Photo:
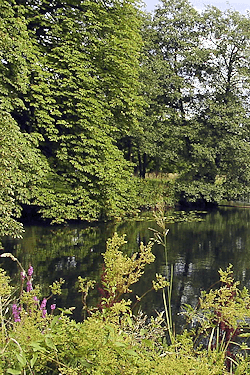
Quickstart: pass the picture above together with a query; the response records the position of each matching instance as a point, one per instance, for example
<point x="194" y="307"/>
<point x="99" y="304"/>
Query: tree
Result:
<point x="22" y="172"/>
<point x="219" y="137"/>
<point x="82" y="99"/>
<point x="22" y="167"/>
<point x="197" y="113"/>
<point x="169" y="69"/>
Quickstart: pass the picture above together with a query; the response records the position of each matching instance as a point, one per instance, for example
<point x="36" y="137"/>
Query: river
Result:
<point x="196" y="250"/>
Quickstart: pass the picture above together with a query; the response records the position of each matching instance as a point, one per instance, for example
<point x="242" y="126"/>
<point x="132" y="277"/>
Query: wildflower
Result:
<point x="43" y="307"/>
<point x="53" y="306"/>
<point x="15" y="312"/>
<point x="36" y="299"/>
<point x="29" y="286"/>
<point x="43" y="304"/>
<point x="23" y="275"/>
<point x="30" y="271"/>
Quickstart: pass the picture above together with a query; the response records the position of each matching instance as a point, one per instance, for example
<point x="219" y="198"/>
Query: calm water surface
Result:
<point x="195" y="249"/>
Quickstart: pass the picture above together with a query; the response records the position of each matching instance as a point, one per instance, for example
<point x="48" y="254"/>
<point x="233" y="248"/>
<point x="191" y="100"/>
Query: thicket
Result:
<point x="37" y="337"/>
<point x="96" y="95"/>
<point x="92" y="95"/>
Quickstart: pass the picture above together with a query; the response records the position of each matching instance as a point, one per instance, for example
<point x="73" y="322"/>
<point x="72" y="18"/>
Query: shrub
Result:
<point x="111" y="340"/>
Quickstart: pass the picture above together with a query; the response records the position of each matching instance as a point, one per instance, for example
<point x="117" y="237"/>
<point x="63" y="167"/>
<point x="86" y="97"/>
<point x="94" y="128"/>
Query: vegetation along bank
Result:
<point x="96" y="97"/>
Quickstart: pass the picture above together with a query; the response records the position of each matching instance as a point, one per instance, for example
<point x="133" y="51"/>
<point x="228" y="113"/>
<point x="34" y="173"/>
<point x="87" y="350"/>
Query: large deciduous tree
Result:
<point x="22" y="167"/>
<point x="219" y="138"/>
<point x="82" y="99"/>
<point x="197" y="114"/>
<point x="169" y="69"/>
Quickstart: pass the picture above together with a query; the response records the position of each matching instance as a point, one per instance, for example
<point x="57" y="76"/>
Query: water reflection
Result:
<point x="196" y="251"/>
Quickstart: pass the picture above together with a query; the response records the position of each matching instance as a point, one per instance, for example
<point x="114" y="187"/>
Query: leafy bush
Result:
<point x="111" y="340"/>
<point x="151" y="190"/>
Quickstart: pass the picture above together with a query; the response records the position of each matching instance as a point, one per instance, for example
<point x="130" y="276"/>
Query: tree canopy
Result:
<point x="95" y="93"/>
<point x="198" y="103"/>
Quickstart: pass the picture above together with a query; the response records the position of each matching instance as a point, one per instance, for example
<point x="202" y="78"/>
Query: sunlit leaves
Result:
<point x="122" y="271"/>
<point x="84" y="97"/>
<point x="22" y="169"/>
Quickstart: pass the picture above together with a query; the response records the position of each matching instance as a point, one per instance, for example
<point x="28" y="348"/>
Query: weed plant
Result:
<point x="160" y="237"/>
<point x="111" y="340"/>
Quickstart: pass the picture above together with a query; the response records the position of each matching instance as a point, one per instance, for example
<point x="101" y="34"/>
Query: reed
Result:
<point x="160" y="237"/>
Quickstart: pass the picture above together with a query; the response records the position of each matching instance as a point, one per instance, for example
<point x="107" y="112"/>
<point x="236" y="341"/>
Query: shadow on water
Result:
<point x="195" y="249"/>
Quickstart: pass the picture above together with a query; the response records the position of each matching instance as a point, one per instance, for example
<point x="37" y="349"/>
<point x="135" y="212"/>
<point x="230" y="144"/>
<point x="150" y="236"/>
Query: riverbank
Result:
<point x="38" y="337"/>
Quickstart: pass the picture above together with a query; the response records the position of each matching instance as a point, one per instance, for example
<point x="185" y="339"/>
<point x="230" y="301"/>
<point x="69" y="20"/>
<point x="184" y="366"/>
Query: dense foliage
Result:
<point x="95" y="93"/>
<point x="195" y="74"/>
<point x="37" y="339"/>
<point x="69" y="72"/>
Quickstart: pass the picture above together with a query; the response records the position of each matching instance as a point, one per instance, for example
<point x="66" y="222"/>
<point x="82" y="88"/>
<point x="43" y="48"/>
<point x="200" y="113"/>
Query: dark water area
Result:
<point x="196" y="250"/>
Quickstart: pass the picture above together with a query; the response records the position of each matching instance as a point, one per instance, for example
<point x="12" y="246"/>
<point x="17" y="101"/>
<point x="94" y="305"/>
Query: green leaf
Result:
<point x="129" y="320"/>
<point x="21" y="359"/>
<point x="13" y="372"/>
<point x="37" y="347"/>
<point x="49" y="342"/>
<point x="132" y="352"/>
<point x="142" y="331"/>
<point x="67" y="311"/>
<point x="244" y="334"/>
<point x="111" y="329"/>
<point x="33" y="360"/>
<point x="85" y="363"/>
<point x="54" y="321"/>
<point x="120" y="344"/>
<point x="147" y="343"/>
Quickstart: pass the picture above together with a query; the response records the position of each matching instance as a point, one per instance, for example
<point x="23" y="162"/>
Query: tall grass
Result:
<point x="160" y="237"/>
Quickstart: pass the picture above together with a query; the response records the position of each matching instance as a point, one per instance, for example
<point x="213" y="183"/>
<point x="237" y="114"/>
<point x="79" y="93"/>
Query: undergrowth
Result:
<point x="112" y="339"/>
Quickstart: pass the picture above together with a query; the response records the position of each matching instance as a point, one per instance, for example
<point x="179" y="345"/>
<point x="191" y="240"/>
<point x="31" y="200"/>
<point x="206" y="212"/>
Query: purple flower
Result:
<point x="36" y="299"/>
<point x="30" y="271"/>
<point x="29" y="286"/>
<point x="15" y="312"/>
<point x="43" y="307"/>
<point x="23" y="275"/>
<point x="43" y="304"/>
<point x="53" y="306"/>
